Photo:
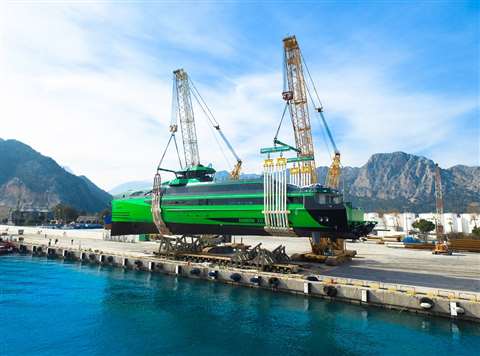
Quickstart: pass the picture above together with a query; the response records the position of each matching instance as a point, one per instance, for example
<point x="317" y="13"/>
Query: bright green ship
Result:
<point x="192" y="204"/>
<point x="283" y="203"/>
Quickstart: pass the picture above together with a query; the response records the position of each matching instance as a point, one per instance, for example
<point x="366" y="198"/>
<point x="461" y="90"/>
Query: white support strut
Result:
<point x="275" y="197"/>
<point x="155" y="207"/>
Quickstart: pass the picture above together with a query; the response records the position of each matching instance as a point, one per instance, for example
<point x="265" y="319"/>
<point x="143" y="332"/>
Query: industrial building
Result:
<point x="401" y="223"/>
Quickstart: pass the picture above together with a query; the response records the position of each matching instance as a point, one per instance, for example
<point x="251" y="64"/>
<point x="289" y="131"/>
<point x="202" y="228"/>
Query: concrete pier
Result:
<point x="312" y="281"/>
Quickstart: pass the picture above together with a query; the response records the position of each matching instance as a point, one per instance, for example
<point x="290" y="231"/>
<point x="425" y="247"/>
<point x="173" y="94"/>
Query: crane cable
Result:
<point x="178" y="152"/>
<point x="311" y="80"/>
<point x="320" y="108"/>
<point x="165" y="151"/>
<point x="325" y="141"/>
<point x="210" y="116"/>
<point x="211" y="119"/>
<point x="325" y="125"/>
<point x="281" y="121"/>
<point x="320" y="111"/>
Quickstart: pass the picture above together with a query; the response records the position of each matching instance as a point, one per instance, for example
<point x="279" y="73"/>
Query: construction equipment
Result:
<point x="441" y="246"/>
<point x="182" y="101"/>
<point x="295" y="94"/>
<point x="182" y="109"/>
<point x="192" y="203"/>
<point x="438" y="203"/>
<point x="333" y="175"/>
<point x="196" y="249"/>
<point x="275" y="197"/>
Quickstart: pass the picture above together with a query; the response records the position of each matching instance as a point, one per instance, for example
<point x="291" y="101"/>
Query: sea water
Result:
<point x="49" y="307"/>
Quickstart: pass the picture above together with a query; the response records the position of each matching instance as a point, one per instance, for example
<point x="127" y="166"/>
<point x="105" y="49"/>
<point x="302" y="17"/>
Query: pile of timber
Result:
<point x="374" y="239"/>
<point x="465" y="245"/>
<point x="396" y="238"/>
<point x="420" y="246"/>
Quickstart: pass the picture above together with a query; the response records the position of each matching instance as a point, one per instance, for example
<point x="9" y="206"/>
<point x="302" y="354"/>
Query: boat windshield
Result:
<point x="323" y="198"/>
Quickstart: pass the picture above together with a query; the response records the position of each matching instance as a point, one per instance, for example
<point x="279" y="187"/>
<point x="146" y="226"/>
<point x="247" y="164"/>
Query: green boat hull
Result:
<point x="236" y="208"/>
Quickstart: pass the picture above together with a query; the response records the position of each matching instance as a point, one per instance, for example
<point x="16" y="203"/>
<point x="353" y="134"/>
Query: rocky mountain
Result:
<point x="222" y="176"/>
<point x="392" y="182"/>
<point x="405" y="182"/>
<point x="30" y="179"/>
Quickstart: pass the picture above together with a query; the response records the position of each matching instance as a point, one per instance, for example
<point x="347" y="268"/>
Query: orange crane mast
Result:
<point x="295" y="94"/>
<point x="438" y="202"/>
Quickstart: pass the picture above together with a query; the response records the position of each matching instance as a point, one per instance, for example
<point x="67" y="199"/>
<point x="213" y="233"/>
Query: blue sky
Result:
<point x="89" y="83"/>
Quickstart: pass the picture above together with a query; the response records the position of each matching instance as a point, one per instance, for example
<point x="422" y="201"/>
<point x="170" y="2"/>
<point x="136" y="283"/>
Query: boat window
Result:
<point x="337" y="199"/>
<point x="321" y="198"/>
<point x="221" y="201"/>
<point x="216" y="188"/>
<point x="294" y="200"/>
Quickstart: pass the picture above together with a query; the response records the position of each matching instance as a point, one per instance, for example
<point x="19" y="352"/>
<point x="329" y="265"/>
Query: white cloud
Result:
<point x="80" y="84"/>
<point x="378" y="117"/>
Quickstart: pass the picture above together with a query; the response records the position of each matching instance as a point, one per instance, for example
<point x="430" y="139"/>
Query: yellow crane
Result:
<point x="295" y="94"/>
<point x="441" y="246"/>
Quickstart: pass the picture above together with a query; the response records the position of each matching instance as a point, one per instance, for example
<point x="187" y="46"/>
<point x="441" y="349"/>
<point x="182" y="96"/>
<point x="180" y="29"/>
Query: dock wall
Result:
<point x="445" y="303"/>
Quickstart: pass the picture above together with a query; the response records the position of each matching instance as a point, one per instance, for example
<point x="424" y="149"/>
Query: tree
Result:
<point x="424" y="226"/>
<point x="105" y="212"/>
<point x="65" y="213"/>
<point x="476" y="231"/>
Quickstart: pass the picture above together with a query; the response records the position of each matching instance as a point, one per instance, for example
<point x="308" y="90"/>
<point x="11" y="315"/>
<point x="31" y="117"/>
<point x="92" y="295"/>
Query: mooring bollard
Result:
<point x="213" y="274"/>
<point x="306" y="287"/>
<point x="256" y="280"/>
<point x="455" y="309"/>
<point x="365" y="295"/>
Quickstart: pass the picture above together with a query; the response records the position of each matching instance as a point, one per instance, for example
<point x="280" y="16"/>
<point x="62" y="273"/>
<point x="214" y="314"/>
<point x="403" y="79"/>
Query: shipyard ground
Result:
<point x="395" y="278"/>
<point x="395" y="265"/>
